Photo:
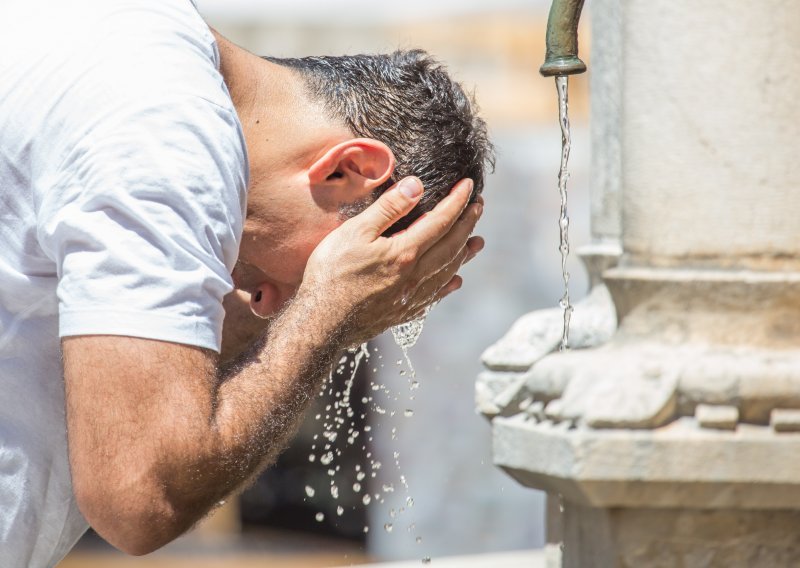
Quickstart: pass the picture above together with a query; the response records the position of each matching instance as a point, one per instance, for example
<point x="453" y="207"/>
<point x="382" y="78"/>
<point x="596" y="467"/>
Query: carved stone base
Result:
<point x="677" y="496"/>
<point x="686" y="538"/>
<point x="678" y="465"/>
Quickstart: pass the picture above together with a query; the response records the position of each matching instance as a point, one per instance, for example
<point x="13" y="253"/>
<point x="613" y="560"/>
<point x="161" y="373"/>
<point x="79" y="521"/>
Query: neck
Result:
<point x="282" y="127"/>
<point x="245" y="80"/>
<point x="260" y="96"/>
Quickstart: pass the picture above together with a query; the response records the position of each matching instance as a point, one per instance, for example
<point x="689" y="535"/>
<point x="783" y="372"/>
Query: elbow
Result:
<point x="137" y="520"/>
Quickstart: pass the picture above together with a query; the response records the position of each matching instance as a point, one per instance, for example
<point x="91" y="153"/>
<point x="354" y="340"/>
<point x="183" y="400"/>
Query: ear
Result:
<point x="355" y="168"/>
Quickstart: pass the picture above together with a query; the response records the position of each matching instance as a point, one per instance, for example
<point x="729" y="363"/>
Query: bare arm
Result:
<point x="158" y="435"/>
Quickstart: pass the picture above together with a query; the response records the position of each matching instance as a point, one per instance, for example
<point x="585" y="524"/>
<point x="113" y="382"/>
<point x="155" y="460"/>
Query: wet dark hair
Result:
<point x="406" y="100"/>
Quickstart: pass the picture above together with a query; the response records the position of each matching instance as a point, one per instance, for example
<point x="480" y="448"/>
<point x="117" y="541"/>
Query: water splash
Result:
<point x="562" y="84"/>
<point x="407" y="334"/>
<point x="338" y="416"/>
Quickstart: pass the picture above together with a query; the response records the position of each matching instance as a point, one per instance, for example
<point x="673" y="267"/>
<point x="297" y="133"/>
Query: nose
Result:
<point x="265" y="300"/>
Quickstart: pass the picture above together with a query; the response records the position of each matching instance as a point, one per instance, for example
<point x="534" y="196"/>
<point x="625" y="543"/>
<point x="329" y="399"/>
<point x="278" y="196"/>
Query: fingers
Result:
<point x="474" y="246"/>
<point x="390" y="207"/>
<point x="448" y="247"/>
<point x="451" y="286"/>
<point x="431" y="227"/>
<point x="425" y="290"/>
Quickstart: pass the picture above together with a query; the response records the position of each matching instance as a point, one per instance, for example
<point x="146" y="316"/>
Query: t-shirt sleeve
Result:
<point x="143" y="221"/>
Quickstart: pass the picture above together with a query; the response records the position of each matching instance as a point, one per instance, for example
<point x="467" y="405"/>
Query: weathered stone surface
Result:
<point x="709" y="158"/>
<point x="494" y="391"/>
<point x="621" y="392"/>
<point x="718" y="417"/>
<point x="675" y="466"/>
<point x="635" y="383"/>
<point x="538" y="333"/>
<point x="686" y="538"/>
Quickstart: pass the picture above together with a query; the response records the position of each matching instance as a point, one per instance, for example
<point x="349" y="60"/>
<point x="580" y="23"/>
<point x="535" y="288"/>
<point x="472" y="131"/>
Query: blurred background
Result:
<point x="462" y="504"/>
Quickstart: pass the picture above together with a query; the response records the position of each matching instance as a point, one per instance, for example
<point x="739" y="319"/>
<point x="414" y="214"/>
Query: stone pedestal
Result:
<point x="674" y="440"/>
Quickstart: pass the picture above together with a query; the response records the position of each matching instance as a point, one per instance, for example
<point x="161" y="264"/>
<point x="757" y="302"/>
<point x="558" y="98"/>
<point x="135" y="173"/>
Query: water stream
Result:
<point x="562" y="84"/>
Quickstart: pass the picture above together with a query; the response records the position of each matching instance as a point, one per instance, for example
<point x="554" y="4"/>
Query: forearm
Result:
<point x="263" y="394"/>
<point x="256" y="409"/>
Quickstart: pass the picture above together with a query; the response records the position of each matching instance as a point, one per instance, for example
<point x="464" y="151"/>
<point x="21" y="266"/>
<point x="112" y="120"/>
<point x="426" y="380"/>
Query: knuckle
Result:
<point x="406" y="259"/>
<point x="391" y="208"/>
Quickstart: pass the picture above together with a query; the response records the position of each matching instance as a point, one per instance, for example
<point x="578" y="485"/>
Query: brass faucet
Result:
<point x="562" y="39"/>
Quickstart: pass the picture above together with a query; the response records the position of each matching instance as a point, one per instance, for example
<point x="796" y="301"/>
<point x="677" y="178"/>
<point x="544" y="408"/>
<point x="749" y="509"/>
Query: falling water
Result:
<point x="339" y="415"/>
<point x="563" y="220"/>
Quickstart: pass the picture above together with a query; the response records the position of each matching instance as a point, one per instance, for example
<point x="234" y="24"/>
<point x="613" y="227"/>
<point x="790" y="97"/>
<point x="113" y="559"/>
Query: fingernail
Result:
<point x="410" y="187"/>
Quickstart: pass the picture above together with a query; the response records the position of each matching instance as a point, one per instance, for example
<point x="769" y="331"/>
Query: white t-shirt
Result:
<point x="123" y="173"/>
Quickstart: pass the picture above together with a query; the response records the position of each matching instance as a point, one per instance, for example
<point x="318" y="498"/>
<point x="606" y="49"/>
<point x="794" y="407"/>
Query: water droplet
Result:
<point x="334" y="492"/>
<point x="410" y="502"/>
<point x="309" y="491"/>
<point x="311" y="457"/>
<point x="426" y="560"/>
<point x="408" y="413"/>
<point x="320" y="517"/>
<point x="340" y="510"/>
<point x="357" y="487"/>
<point x="419" y="540"/>
<point x="366" y="499"/>
<point x="388" y="527"/>
<point x="388" y="488"/>
<point x="366" y="529"/>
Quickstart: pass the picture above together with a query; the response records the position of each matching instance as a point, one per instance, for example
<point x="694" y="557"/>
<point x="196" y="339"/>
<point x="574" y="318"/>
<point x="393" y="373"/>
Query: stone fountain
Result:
<point x="669" y="434"/>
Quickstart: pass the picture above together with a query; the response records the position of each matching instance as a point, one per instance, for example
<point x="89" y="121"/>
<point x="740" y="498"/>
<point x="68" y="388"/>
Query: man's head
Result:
<point x="408" y="101"/>
<point x="327" y="135"/>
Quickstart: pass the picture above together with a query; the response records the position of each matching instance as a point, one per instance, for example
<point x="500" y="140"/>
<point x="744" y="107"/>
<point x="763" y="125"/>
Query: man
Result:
<point x="142" y="161"/>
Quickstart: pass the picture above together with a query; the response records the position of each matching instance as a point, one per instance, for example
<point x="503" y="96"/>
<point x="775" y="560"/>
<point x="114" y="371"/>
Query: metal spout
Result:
<point x="562" y="39"/>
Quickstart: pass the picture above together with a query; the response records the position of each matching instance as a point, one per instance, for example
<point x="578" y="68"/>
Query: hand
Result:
<point x="368" y="282"/>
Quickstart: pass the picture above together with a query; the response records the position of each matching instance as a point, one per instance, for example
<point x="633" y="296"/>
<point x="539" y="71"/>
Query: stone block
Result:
<point x="689" y="538"/>
<point x="785" y="420"/>
<point x="718" y="417"/>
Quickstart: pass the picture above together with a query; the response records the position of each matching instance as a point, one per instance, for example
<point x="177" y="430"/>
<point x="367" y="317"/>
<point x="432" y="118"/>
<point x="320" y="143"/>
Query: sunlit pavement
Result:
<point x="255" y="548"/>
<point x="518" y="559"/>
<point x="80" y="559"/>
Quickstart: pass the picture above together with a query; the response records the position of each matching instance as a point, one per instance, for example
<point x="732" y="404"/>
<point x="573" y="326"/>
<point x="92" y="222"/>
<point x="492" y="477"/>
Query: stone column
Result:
<point x="677" y="443"/>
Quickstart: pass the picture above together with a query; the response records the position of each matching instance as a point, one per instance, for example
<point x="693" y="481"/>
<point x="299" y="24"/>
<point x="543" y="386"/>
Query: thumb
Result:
<point x="391" y="206"/>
